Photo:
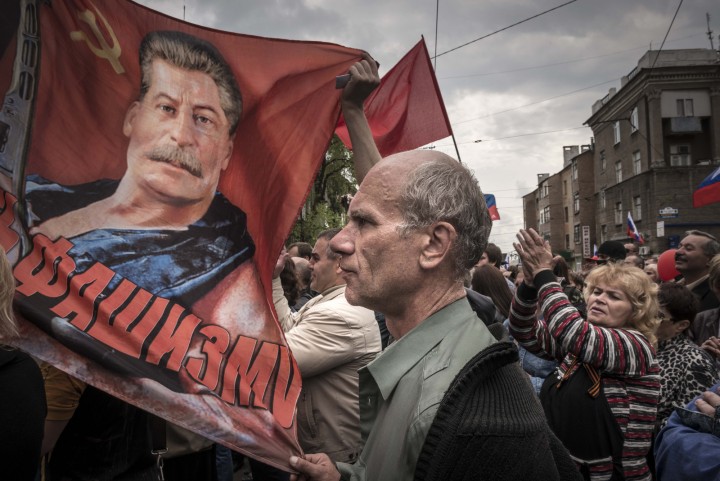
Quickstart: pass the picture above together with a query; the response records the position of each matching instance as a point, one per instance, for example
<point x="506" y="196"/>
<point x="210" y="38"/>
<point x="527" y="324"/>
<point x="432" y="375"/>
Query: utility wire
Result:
<point x="432" y="147"/>
<point x="537" y="101"/>
<point x="437" y="15"/>
<point x="504" y="28"/>
<point x="528" y="134"/>
<point x="516" y="188"/>
<point x="555" y="64"/>
<point x="666" y="35"/>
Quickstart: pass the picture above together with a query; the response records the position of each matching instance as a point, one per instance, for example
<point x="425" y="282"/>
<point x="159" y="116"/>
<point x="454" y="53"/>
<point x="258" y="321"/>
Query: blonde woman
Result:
<point x="601" y="402"/>
<point x="22" y="396"/>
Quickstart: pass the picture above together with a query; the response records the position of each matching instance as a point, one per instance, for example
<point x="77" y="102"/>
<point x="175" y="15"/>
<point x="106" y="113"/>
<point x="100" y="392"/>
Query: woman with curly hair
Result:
<point x="601" y="401"/>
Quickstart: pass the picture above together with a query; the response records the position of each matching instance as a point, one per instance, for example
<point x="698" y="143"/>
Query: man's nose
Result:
<point x="182" y="128"/>
<point x="342" y="242"/>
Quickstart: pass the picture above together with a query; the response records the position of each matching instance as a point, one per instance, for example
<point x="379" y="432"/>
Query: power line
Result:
<point x="555" y="64"/>
<point x="504" y="138"/>
<point x="527" y="135"/>
<point x="537" y="102"/>
<point x="503" y="29"/>
<point x="666" y="34"/>
<point x="516" y="188"/>
<point x="437" y="15"/>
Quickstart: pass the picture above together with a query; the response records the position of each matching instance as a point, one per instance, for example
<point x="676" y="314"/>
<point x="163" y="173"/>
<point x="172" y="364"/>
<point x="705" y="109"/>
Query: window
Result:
<point x="616" y="131"/>
<point x="545" y="215"/>
<point x="618" y="171"/>
<point x="602" y="161"/>
<point x="576" y="202"/>
<point x="680" y="155"/>
<point x="637" y="208"/>
<point x="685" y="107"/>
<point x="567" y="218"/>
<point x="564" y="187"/>
<point x="637" y="166"/>
<point x="618" y="213"/>
<point x="567" y="242"/>
<point x="634" y="120"/>
<point x="603" y="233"/>
<point x="544" y="190"/>
<point x="576" y="233"/>
<point x="574" y="170"/>
<point x="603" y="199"/>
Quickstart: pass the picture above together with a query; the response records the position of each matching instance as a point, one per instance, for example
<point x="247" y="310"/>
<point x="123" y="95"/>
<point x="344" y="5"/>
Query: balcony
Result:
<point x="685" y="125"/>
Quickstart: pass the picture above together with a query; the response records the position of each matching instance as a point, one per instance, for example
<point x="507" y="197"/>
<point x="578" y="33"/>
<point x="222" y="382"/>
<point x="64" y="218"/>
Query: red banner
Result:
<point x="406" y="111"/>
<point x="136" y="273"/>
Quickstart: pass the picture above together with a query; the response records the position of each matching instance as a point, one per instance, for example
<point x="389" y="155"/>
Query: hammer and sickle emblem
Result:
<point x="111" y="54"/>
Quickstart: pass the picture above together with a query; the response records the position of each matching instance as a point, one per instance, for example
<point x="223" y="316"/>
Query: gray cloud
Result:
<point x="610" y="36"/>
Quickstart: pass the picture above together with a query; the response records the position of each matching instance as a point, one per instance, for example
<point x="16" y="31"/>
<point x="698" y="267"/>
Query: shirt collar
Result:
<point x="331" y="290"/>
<point x="400" y="357"/>
<point x="693" y="285"/>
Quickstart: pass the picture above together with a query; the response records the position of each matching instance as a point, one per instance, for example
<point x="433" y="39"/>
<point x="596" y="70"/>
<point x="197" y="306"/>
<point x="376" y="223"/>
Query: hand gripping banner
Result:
<point x="146" y="193"/>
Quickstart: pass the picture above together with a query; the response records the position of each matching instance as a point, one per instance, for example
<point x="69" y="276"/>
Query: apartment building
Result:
<point x="656" y="139"/>
<point x="561" y="209"/>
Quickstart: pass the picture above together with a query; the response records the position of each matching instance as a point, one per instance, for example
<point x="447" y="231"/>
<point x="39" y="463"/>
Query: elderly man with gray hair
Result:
<point x="445" y="400"/>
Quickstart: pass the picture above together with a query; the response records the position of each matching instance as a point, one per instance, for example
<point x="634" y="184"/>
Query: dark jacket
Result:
<point x="490" y="426"/>
<point x="705" y="325"/>
<point x="705" y="296"/>
<point x="22" y="415"/>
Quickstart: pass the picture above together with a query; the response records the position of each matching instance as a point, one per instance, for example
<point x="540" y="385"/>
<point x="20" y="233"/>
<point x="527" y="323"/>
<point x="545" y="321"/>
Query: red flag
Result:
<point x="204" y="352"/>
<point x="406" y="111"/>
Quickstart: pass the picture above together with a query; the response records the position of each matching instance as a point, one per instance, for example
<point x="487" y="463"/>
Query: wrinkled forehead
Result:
<point x="376" y="205"/>
<point x="383" y="184"/>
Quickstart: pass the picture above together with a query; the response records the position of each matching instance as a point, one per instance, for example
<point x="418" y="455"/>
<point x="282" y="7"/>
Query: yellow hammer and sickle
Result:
<point x="111" y="54"/>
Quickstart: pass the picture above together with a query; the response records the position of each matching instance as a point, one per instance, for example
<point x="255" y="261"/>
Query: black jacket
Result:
<point x="490" y="426"/>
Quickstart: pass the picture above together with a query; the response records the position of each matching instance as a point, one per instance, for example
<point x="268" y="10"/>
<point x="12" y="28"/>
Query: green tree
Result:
<point x="327" y="202"/>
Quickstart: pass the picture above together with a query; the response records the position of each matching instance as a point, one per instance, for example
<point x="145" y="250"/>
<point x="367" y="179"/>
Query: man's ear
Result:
<point x="130" y="118"/>
<point x="439" y="238"/>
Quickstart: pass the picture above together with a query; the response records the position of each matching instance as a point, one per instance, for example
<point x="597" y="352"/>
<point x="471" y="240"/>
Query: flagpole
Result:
<point x="437" y="16"/>
<point x="452" y="134"/>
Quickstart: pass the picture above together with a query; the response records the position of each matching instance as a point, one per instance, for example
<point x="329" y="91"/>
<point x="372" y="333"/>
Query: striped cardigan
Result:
<point x="624" y="358"/>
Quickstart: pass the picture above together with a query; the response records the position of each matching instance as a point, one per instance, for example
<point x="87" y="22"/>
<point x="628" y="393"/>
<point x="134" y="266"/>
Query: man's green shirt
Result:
<point x="401" y="389"/>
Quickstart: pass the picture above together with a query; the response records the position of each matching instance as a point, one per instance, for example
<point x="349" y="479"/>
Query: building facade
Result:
<point x="561" y="209"/>
<point x="656" y="139"/>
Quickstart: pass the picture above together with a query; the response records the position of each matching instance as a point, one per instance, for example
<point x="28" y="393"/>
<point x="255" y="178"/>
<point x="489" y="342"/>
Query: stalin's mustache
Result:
<point x="178" y="157"/>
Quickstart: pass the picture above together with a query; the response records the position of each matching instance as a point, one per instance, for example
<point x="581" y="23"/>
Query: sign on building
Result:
<point x="668" y="213"/>
<point x="586" y="240"/>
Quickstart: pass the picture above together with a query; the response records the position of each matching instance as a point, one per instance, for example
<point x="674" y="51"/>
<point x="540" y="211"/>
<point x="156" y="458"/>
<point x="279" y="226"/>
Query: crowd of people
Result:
<point x="423" y="357"/>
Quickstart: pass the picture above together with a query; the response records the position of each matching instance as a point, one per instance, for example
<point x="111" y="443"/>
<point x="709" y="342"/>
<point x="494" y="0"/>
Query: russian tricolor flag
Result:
<point x="632" y="230"/>
<point x="492" y="207"/>
<point x="708" y="192"/>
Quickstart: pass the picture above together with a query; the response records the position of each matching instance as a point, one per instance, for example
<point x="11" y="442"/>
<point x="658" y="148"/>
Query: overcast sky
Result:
<point x="540" y="76"/>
